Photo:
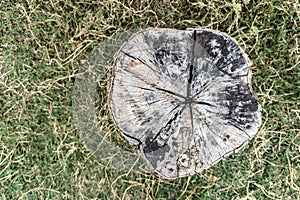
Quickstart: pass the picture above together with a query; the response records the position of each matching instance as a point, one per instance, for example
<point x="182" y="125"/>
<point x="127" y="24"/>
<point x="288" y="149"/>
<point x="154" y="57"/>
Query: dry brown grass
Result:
<point x="42" y="44"/>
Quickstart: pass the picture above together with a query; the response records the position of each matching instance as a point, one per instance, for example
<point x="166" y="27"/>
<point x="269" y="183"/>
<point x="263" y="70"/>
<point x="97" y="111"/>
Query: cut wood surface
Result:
<point x="183" y="98"/>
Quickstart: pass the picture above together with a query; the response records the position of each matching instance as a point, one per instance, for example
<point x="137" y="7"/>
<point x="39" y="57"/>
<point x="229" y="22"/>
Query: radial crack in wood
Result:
<point x="184" y="98"/>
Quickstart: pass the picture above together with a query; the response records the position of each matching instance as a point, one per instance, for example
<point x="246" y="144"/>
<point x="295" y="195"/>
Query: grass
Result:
<point x="42" y="44"/>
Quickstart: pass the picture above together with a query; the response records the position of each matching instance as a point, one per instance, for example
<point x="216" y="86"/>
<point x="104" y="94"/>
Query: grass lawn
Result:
<point x="42" y="44"/>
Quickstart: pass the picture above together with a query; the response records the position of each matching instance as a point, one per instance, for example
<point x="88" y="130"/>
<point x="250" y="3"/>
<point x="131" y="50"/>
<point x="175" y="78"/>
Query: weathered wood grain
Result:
<point x="183" y="98"/>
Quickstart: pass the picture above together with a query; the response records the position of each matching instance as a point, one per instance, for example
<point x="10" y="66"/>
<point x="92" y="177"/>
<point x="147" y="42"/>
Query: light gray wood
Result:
<point x="183" y="98"/>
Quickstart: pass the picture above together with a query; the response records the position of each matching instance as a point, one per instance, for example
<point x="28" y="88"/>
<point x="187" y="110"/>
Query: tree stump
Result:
<point x="183" y="98"/>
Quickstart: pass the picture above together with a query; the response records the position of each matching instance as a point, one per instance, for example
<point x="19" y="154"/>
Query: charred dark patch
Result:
<point x="238" y="62"/>
<point x="229" y="47"/>
<point x="242" y="105"/>
<point x="154" y="152"/>
<point x="204" y="38"/>
<point x="150" y="147"/>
